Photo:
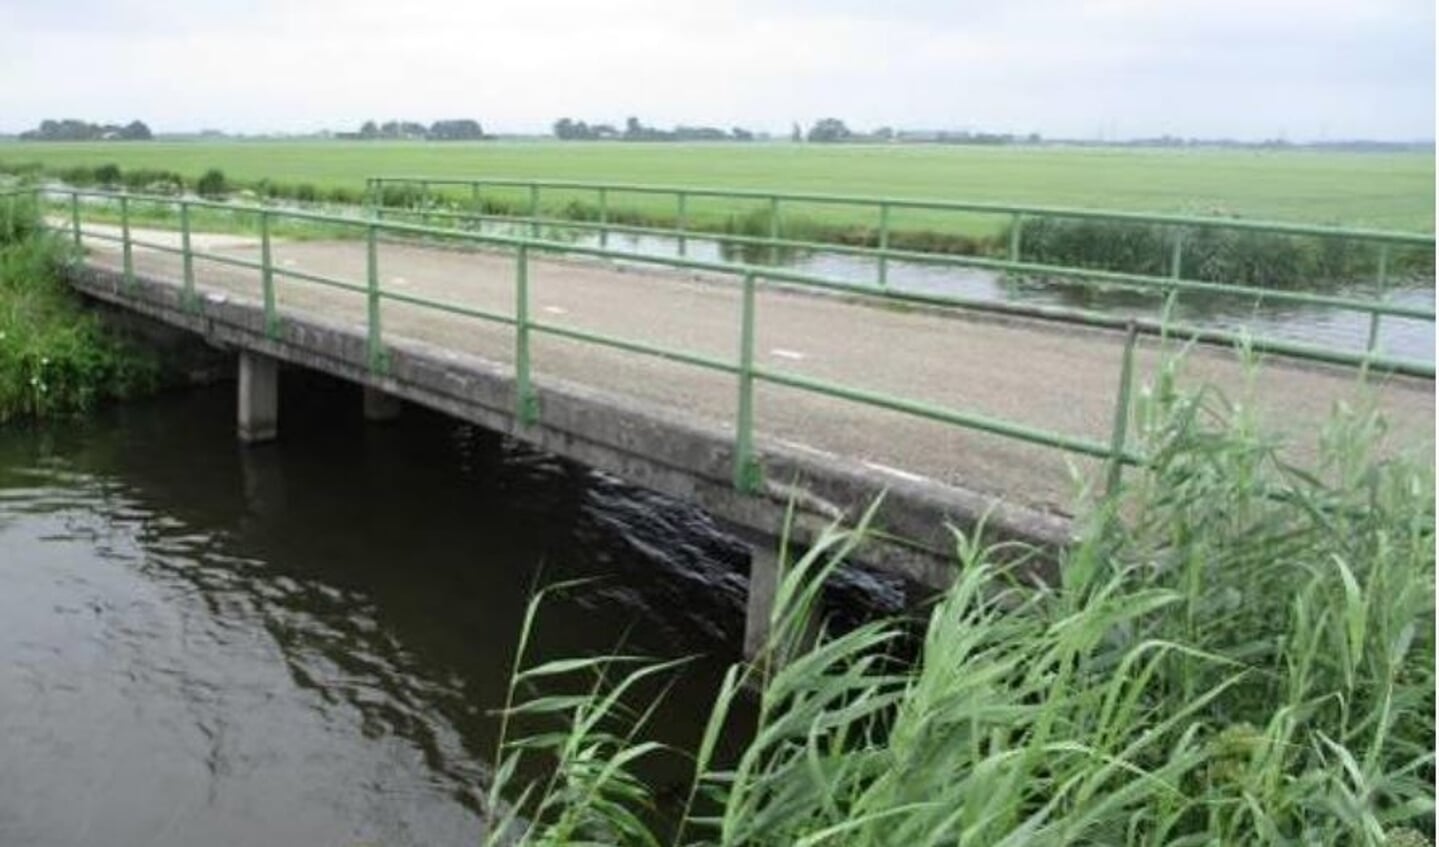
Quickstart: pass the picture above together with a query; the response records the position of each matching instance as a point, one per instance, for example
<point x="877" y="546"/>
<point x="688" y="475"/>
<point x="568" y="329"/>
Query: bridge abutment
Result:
<point x="258" y="398"/>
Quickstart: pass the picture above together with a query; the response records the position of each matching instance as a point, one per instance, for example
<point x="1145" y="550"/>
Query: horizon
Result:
<point x="1304" y="71"/>
<point x="863" y="136"/>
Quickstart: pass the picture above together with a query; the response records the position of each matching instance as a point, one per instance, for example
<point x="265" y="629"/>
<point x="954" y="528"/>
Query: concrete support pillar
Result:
<point x="763" y="583"/>
<point x="258" y="402"/>
<point x="380" y="406"/>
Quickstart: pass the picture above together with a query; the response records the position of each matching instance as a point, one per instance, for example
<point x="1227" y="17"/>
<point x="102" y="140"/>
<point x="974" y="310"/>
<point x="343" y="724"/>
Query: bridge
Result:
<point x="750" y="389"/>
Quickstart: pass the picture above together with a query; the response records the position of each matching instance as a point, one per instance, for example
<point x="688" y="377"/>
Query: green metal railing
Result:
<point x="747" y="472"/>
<point x="1173" y="282"/>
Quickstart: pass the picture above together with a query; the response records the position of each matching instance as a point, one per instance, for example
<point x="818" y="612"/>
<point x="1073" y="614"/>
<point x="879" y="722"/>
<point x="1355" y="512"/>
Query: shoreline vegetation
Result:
<point x="56" y="357"/>
<point x="1212" y="254"/>
<point x="1234" y="652"/>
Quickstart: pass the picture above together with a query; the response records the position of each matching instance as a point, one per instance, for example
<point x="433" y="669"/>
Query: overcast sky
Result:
<point x="1303" y="69"/>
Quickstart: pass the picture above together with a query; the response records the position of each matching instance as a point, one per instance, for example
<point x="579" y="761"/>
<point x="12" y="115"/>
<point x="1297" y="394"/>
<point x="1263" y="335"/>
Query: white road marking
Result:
<point x="787" y="354"/>
<point x="913" y="477"/>
<point x="399" y="280"/>
<point x="556" y="310"/>
<point x="289" y="263"/>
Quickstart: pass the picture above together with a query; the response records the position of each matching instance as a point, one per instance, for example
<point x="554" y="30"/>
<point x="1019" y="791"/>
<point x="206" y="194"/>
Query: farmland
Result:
<point x="1383" y="190"/>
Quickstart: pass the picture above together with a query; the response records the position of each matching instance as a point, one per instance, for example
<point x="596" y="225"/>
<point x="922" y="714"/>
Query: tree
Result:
<point x="136" y="131"/>
<point x="795" y="135"/>
<point x="884" y="133"/>
<point x="461" y="129"/>
<point x="369" y="130"/>
<point x="71" y="129"/>
<point x="828" y="130"/>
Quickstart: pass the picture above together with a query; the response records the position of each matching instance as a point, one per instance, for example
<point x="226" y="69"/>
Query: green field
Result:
<point x="1384" y="190"/>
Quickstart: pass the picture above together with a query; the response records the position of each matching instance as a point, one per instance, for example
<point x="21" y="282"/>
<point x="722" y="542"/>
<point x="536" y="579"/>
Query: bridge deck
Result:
<point x="1051" y="375"/>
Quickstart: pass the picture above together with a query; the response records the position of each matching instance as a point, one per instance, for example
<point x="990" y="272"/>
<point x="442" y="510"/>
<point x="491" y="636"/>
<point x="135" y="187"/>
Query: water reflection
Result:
<point x="303" y="643"/>
<point x="1319" y="325"/>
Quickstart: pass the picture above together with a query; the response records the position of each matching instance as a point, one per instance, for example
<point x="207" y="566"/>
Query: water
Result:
<point x="302" y="643"/>
<point x="1325" y="326"/>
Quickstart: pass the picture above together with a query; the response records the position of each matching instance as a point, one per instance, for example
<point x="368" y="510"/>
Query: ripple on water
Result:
<point x="166" y="695"/>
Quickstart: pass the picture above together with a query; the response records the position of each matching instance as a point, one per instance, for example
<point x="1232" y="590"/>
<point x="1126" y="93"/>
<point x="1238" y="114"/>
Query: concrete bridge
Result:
<point x="668" y="421"/>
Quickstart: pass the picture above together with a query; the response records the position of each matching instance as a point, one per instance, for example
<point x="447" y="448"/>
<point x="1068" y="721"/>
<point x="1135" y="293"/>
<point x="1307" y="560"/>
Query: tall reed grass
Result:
<point x="1215" y="254"/>
<point x="1236" y="651"/>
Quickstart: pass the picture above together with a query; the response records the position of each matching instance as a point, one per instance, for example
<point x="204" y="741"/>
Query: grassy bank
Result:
<point x="1245" y="657"/>
<point x="1211" y="254"/>
<point x="55" y="357"/>
<point x="1393" y="191"/>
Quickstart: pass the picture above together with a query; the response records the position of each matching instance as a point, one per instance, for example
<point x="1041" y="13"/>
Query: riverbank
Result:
<point x="56" y="357"/>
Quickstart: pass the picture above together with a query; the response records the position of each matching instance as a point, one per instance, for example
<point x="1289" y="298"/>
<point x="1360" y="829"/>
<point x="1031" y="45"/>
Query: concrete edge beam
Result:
<point x="649" y="446"/>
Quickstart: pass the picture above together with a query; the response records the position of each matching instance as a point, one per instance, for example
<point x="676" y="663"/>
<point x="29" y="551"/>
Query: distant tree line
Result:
<point x="568" y="129"/>
<point x="834" y="130"/>
<point x="70" y="129"/>
<point x="460" y="129"/>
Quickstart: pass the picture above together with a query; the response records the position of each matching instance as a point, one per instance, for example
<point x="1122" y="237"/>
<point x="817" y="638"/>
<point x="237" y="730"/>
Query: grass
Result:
<point x="1374" y="190"/>
<point x="165" y="215"/>
<point x="1392" y="191"/>
<point x="1235" y="652"/>
<point x="56" y="358"/>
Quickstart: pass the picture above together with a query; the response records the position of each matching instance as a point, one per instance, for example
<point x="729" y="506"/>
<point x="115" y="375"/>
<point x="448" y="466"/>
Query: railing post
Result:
<point x="129" y="258"/>
<point x="774" y="230"/>
<point x="883" y="245"/>
<point x="75" y="216"/>
<point x="425" y="203"/>
<point x="526" y="403"/>
<point x="1016" y="230"/>
<point x="681" y="218"/>
<point x="746" y="468"/>
<point x="187" y="257"/>
<point x="378" y="362"/>
<point x="1381" y="281"/>
<point x="534" y="210"/>
<point x="1119" y="435"/>
<point x="267" y="277"/>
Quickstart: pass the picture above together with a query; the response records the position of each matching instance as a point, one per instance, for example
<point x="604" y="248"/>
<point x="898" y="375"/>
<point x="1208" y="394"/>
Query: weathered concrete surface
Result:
<point x="257" y="398"/>
<point x="669" y="426"/>
<point x="759" y="602"/>
<point x="379" y="406"/>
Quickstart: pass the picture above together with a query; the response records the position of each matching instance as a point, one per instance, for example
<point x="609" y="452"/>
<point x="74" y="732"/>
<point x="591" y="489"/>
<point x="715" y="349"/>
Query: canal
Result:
<point x="304" y="643"/>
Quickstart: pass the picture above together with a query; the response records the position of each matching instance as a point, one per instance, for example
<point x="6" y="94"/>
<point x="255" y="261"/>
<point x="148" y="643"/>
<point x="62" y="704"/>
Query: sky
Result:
<point x="1249" y="69"/>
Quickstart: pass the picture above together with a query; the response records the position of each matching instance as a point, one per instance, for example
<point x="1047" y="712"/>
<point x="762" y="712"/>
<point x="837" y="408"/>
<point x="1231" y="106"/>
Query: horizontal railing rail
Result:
<point x="1037" y="269"/>
<point x="1278" y="227"/>
<point x="1171" y="283"/>
<point x="1260" y="343"/>
<point x="747" y="473"/>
